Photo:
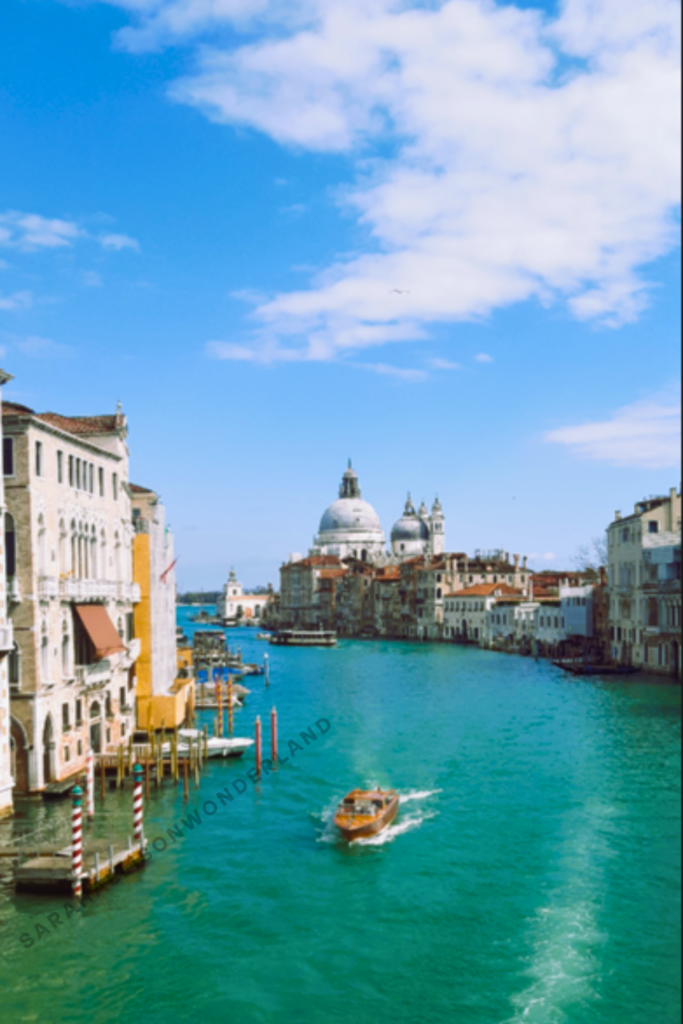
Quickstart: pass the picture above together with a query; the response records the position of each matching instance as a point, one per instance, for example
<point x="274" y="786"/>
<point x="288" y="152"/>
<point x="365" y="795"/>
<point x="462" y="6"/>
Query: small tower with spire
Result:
<point x="350" y="488"/>
<point x="436" y="531"/>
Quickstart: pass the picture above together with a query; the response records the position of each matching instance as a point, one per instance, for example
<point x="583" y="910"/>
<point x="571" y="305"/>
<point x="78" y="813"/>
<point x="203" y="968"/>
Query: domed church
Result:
<point x="350" y="527"/>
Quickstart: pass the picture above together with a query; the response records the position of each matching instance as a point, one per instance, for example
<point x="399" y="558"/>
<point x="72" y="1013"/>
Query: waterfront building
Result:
<point x="164" y="692"/>
<point x="644" y="585"/>
<point x="355" y="609"/>
<point x="236" y="606"/>
<point x="467" y="612"/>
<point x="68" y="538"/>
<point x="6" y="646"/>
<point x="386" y="600"/>
<point x="306" y="601"/>
<point x="511" y="622"/>
<point x="549" y="626"/>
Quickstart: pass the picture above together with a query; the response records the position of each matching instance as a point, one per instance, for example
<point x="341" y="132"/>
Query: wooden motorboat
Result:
<point x="365" y="812"/>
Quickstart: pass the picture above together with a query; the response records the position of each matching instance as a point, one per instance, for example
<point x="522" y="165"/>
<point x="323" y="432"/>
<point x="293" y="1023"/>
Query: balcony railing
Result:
<point x="129" y="592"/>
<point x="48" y="586"/>
<point x="87" y="590"/>
<point x="94" y="675"/>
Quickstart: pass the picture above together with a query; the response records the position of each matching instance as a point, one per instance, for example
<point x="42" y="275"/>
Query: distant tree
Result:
<point x="589" y="557"/>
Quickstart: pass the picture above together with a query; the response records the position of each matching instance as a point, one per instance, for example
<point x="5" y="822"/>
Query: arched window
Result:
<point x="438" y="592"/>
<point x="63" y="549"/>
<point x="93" y="553"/>
<point x="103" y="555"/>
<point x="10" y="546"/>
<point x="94" y="710"/>
<point x="85" y="544"/>
<point x="66" y="650"/>
<point x="73" y="568"/>
<point x="14" y="666"/>
<point x="44" y="654"/>
<point x="42" y="546"/>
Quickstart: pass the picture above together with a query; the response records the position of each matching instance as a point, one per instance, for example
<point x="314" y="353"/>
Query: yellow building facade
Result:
<point x="165" y="687"/>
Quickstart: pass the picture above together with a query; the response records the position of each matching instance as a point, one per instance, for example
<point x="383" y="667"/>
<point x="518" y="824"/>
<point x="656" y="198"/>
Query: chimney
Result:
<point x="516" y="558"/>
<point x="524" y="562"/>
<point x="617" y="515"/>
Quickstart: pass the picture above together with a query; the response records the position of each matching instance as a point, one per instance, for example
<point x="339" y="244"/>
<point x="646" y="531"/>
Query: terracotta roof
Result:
<point x="487" y="590"/>
<point x="388" y="574"/>
<point x="332" y="574"/>
<point x="313" y="560"/>
<point x="140" y="490"/>
<point x="15" y="409"/>
<point x="71" y="424"/>
<point x="81" y="424"/>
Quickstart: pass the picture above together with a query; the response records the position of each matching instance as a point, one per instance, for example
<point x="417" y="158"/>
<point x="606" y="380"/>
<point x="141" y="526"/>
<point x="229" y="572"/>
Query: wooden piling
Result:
<point x="229" y="705"/>
<point x="258" y="748"/>
<point x="147" y="778"/>
<point x="273" y="736"/>
<point x="197" y="763"/>
<point x="103" y="779"/>
<point x="206" y="744"/>
<point x="186" y="786"/>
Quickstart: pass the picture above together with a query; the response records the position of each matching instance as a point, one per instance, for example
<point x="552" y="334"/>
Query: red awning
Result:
<point x="100" y="629"/>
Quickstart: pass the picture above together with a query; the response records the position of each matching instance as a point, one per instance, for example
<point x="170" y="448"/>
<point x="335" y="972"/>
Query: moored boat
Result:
<point x="365" y="812"/>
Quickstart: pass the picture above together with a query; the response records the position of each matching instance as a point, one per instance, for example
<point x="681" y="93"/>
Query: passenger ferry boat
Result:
<point x="304" y="638"/>
<point x="365" y="812"/>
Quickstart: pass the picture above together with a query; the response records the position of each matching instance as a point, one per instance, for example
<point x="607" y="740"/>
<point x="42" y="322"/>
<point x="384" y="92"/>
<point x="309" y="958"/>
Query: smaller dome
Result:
<point x="409" y="527"/>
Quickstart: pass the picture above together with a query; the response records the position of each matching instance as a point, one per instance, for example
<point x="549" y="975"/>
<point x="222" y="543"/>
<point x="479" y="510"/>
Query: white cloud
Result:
<point x="411" y="376"/>
<point x="443" y="364"/>
<point x="29" y="231"/>
<point x="118" y="242"/>
<point x="484" y="358"/>
<point x="645" y="434"/>
<point x="19" y="300"/>
<point x="487" y="173"/>
<point x="35" y="346"/>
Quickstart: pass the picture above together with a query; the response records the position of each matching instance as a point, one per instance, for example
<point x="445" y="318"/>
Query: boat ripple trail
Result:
<point x="419" y="794"/>
<point x="390" y="833"/>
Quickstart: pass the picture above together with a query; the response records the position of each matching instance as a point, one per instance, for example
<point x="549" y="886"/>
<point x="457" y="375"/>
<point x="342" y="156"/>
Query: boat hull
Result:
<point x="363" y="830"/>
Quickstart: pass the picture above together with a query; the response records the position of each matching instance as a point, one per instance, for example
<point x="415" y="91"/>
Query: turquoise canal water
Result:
<point x="531" y="876"/>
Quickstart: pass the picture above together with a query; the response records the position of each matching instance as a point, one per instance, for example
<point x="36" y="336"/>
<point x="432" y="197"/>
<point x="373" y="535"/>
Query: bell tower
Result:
<point x="436" y="531"/>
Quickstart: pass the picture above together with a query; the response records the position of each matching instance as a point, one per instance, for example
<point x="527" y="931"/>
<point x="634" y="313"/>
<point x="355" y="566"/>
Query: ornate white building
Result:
<point x="350" y="527"/>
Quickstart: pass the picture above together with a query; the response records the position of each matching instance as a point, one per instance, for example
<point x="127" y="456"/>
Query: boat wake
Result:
<point x="418" y="794"/>
<point x="391" y="832"/>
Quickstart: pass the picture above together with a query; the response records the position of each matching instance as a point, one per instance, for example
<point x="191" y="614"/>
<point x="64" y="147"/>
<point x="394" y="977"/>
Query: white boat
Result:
<point x="218" y="746"/>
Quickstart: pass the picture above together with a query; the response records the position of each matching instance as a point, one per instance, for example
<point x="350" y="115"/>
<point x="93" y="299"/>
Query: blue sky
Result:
<point x="439" y="238"/>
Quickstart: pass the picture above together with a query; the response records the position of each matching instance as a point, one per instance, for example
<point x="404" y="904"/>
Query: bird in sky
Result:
<point x="399" y="291"/>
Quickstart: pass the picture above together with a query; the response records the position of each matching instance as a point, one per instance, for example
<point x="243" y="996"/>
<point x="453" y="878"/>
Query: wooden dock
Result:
<point x="102" y="861"/>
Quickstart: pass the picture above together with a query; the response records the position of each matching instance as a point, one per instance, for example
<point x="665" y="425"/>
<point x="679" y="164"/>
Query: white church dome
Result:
<point x="349" y="514"/>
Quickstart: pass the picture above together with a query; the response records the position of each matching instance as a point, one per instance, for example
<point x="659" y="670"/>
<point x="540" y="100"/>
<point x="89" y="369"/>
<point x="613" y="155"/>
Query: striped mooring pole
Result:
<point x="220" y="711"/>
<point x="229" y="705"/>
<point x="258" y="749"/>
<point x="76" y="840"/>
<point x="273" y="735"/>
<point x="90" y="773"/>
<point x="137" y="804"/>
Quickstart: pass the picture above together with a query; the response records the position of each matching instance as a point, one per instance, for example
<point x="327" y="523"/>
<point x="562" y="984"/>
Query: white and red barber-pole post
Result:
<point x="90" y="787"/>
<point x="258" y="748"/>
<point x="76" y="840"/>
<point x="220" y="711"/>
<point x="137" y="804"/>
